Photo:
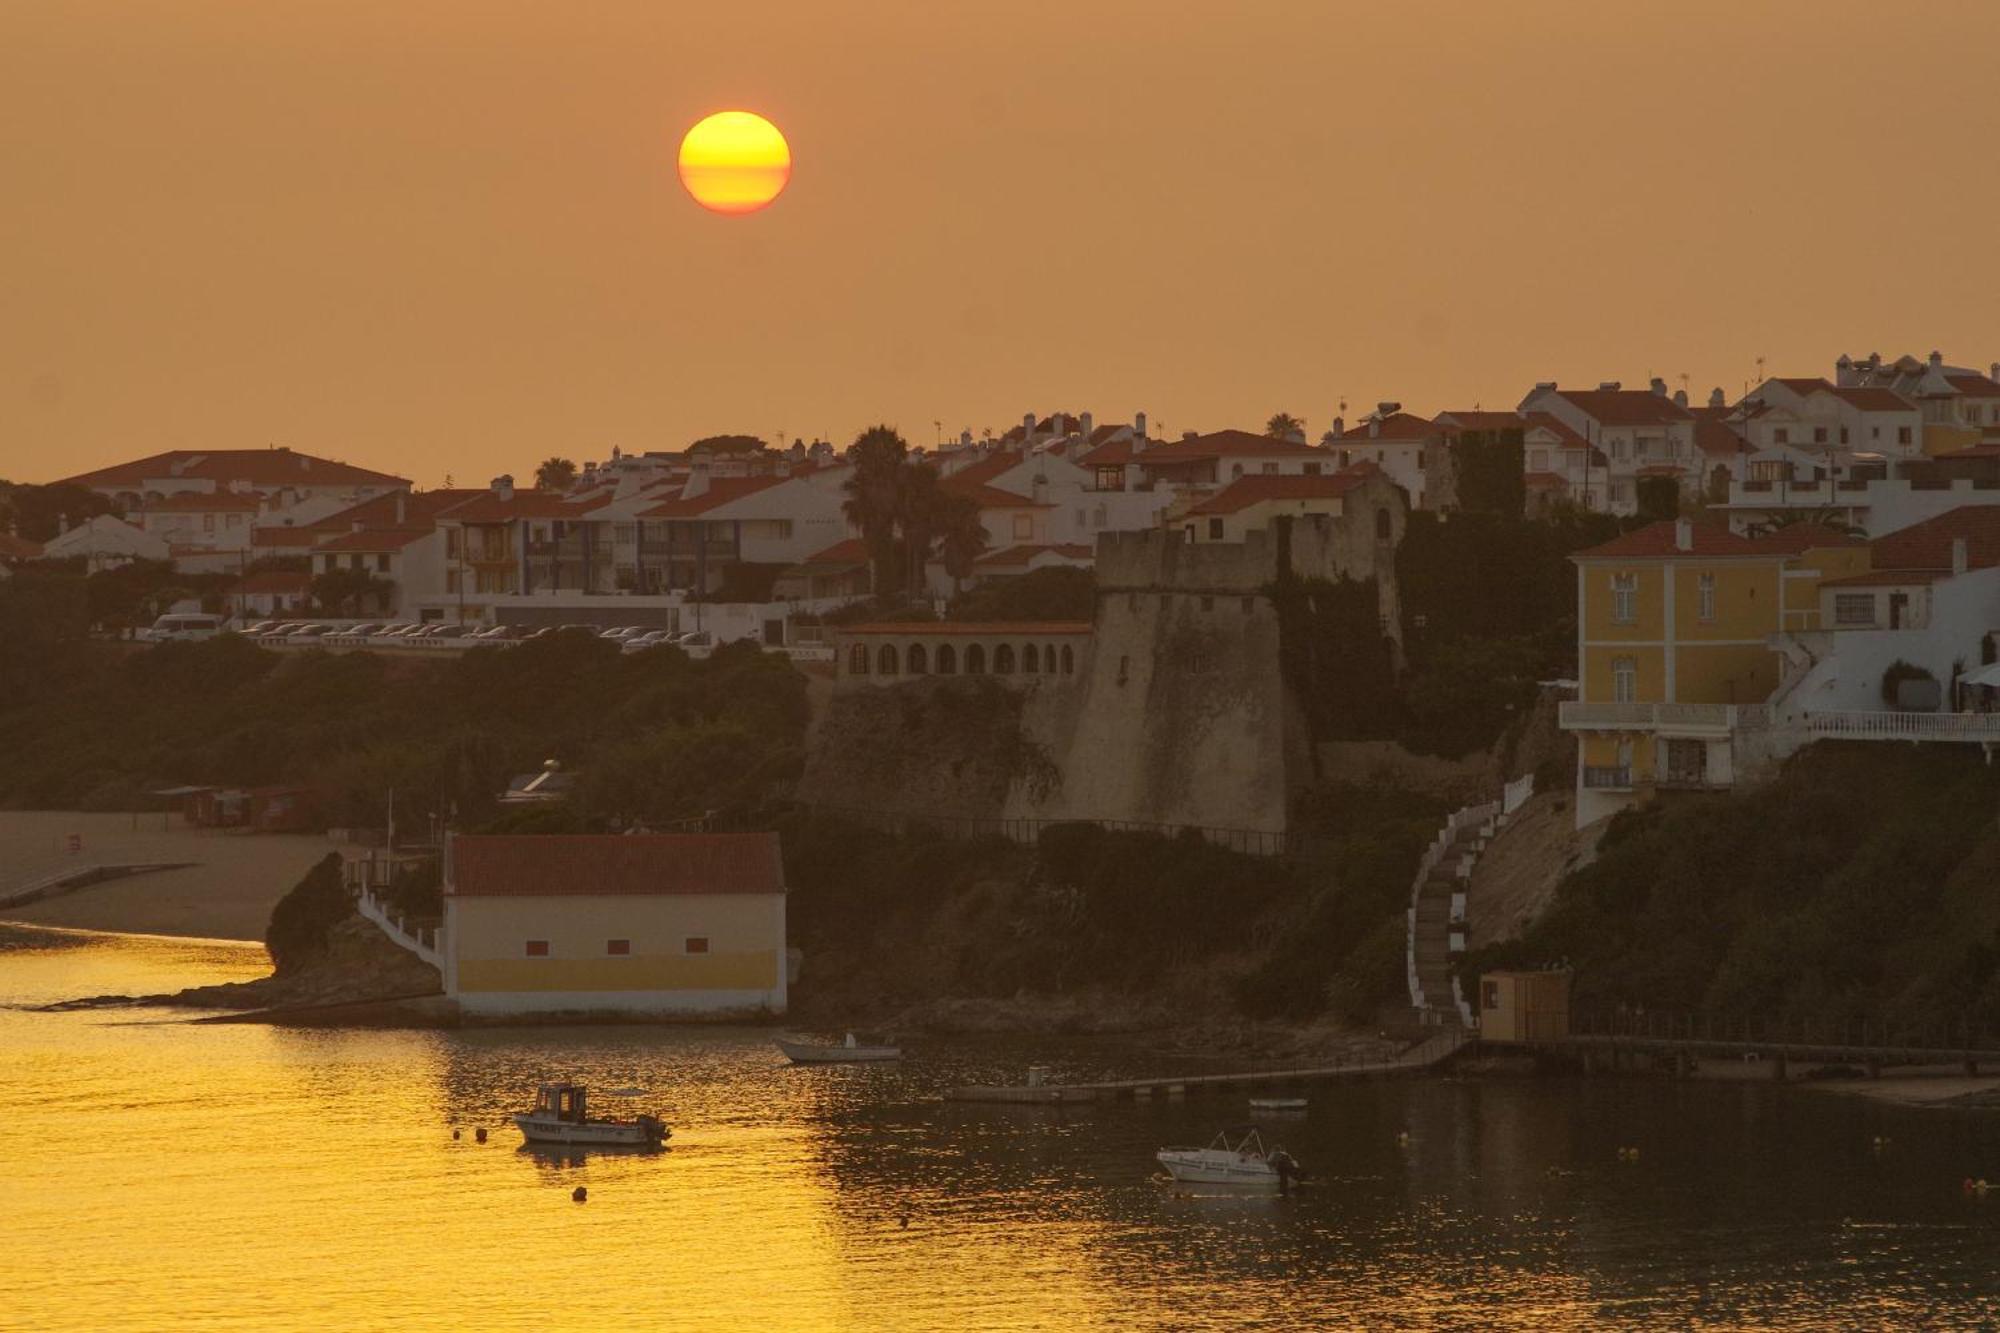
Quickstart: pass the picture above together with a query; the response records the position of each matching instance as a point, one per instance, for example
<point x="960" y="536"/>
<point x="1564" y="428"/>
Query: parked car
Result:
<point x="183" y="626"/>
<point x="309" y="634"/>
<point x="252" y="631"/>
<point x="638" y="643"/>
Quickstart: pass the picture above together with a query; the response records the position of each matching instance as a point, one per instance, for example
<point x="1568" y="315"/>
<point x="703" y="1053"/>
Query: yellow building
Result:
<point x="1674" y="651"/>
<point x="686" y="924"/>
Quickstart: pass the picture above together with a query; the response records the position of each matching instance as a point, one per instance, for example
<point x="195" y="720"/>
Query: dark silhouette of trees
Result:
<point x="1282" y="425"/>
<point x="555" y="474"/>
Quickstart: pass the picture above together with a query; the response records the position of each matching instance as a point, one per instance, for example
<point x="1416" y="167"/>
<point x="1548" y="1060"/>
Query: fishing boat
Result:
<point x="1277" y="1103"/>
<point x="847" y="1052"/>
<point x="1235" y="1157"/>
<point x="559" y="1117"/>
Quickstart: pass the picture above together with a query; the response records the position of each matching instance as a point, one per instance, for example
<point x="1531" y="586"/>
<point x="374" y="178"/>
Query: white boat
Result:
<point x="559" y="1117"/>
<point x="1277" y="1103"/>
<point x="812" y="1053"/>
<point x="1235" y="1157"/>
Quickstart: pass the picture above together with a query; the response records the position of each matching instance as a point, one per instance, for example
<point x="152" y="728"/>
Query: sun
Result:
<point x="735" y="162"/>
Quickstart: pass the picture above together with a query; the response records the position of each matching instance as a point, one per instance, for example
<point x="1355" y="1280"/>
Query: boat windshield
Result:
<point x="1241" y="1139"/>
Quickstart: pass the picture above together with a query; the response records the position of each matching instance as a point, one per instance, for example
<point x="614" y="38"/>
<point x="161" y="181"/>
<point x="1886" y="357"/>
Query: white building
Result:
<point x="1641" y="433"/>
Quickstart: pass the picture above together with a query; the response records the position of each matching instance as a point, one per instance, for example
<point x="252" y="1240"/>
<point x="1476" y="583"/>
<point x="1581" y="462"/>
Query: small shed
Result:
<point x="1524" y="1006"/>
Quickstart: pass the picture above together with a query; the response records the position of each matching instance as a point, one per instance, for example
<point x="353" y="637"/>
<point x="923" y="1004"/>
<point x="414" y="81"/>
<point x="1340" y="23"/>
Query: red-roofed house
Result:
<point x="666" y="924"/>
<point x="1634" y="429"/>
<point x="277" y="475"/>
<point x="1250" y="503"/>
<point x="270" y="593"/>
<point x="1401" y="443"/>
<point x="16" y="550"/>
<point x="1224" y="455"/>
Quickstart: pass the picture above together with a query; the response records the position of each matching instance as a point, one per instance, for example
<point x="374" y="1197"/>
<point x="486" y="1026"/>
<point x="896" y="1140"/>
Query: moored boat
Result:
<point x="1277" y="1103"/>
<point x="1234" y="1157"/>
<point x="560" y="1117"/>
<point x="848" y="1051"/>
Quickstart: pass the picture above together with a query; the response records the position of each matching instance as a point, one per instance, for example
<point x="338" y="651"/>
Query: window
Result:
<point x="947" y="660"/>
<point x="1819" y="435"/>
<point x="618" y="948"/>
<point x="1624" y="679"/>
<point x="1618" y="451"/>
<point x="915" y="658"/>
<point x="1854" y="608"/>
<point x="1843" y="435"/>
<point x="1624" y="599"/>
<point x="208" y="523"/>
<point x="538" y="949"/>
<point x="1874" y="433"/>
<point x="857" y="660"/>
<point x="1270" y="469"/>
<point x="975" y="660"/>
<point x="1385" y="526"/>
<point x="1781" y="436"/>
<point x="1705" y="598"/>
<point x="382" y="562"/>
<point x="1215" y="529"/>
<point x="1003" y="660"/>
<point x="1236" y="470"/>
<point x="1538" y="460"/>
<point x="1068" y="661"/>
<point x="1111" y="478"/>
<point x="696" y="944"/>
<point x="1024" y="527"/>
<point x="1902" y="435"/>
<point x="885" y="660"/>
<point x="1312" y="469"/>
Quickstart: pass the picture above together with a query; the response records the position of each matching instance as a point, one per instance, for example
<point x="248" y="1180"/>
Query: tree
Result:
<point x="555" y="474"/>
<point x="727" y="444"/>
<point x="961" y="536"/>
<point x="877" y="455"/>
<point x="39" y="513"/>
<point x="919" y="505"/>
<point x="1282" y="424"/>
<point x="343" y="592"/>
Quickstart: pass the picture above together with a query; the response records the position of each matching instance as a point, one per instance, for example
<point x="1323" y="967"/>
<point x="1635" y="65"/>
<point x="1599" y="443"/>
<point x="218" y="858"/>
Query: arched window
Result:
<point x="975" y="660"/>
<point x="947" y="660"/>
<point x="1385" y="527"/>
<point x="857" y="660"/>
<point x="1030" y="663"/>
<point x="1069" y="660"/>
<point x="1003" y="660"/>
<point x="885" y="660"/>
<point x="915" y="656"/>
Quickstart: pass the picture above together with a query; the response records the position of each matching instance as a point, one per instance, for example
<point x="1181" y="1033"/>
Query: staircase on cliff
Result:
<point x="1437" y="907"/>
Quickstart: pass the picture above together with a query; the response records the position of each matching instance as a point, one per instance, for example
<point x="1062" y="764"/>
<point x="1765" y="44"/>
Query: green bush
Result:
<point x="302" y="918"/>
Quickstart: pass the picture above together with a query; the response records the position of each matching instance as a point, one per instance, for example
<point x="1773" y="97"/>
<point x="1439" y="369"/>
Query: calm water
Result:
<point x="155" y="1174"/>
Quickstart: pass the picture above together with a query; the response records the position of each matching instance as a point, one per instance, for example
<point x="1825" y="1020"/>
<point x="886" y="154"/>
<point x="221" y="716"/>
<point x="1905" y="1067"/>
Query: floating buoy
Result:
<point x="579" y="1194"/>
<point x="1403" y="1139"/>
<point x="1628" y="1154"/>
<point x="1979" y="1187"/>
<point x="904" y="1221"/>
<point x="479" y="1135"/>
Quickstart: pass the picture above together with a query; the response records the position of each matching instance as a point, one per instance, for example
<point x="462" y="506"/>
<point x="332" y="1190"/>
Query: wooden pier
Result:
<point x="1426" y="1054"/>
<point x="1612" y="1040"/>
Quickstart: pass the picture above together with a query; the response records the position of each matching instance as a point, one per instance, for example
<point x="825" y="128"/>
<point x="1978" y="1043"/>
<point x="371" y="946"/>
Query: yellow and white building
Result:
<point x="688" y="925"/>
<point x="1675" y="652"/>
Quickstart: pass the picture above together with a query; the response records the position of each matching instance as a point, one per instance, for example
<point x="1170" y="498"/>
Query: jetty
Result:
<point x="81" y="877"/>
<point x="1680" y="1039"/>
<point x="1427" y="1054"/>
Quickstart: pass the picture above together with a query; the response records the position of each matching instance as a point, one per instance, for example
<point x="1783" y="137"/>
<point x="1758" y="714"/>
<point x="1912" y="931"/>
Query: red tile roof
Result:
<point x="1884" y="578"/>
<point x="1794" y="538"/>
<point x="1479" y="420"/>
<point x="991" y="466"/>
<point x="490" y="508"/>
<point x="1543" y="480"/>
<point x="256" y="467"/>
<point x="203" y="502"/>
<point x="1395" y="426"/>
<point x="988" y="497"/>
<point x="1021" y="555"/>
<point x="1243" y="492"/>
<point x="18" y="548"/>
<point x="1114" y="454"/>
<point x="721" y="491"/>
<point x="842" y="554"/>
<point x="374" y="539"/>
<point x="1661" y="470"/>
<point x="1974" y="386"/>
<point x="1927" y="545"/>
<point x="999" y="628"/>
<point x="303" y="536"/>
<point x="1804" y="386"/>
<point x="1565" y="433"/>
<point x="584" y="864"/>
<point x="1657" y="541"/>
<point x="1875" y="400"/>
<point x="1718" y="439"/>
<point x="1626" y="407"/>
<point x="1227" y="444"/>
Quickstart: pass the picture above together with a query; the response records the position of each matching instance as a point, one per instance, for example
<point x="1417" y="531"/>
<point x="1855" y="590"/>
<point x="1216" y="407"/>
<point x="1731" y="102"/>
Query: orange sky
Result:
<point x="448" y="237"/>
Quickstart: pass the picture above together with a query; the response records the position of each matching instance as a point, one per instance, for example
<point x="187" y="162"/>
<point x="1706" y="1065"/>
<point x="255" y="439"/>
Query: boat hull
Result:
<point x="591" y="1133"/>
<point x="800" y="1053"/>
<point x="1197" y="1166"/>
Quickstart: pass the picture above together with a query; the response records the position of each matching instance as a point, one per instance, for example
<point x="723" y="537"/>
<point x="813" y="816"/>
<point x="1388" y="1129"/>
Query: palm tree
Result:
<point x="1282" y="424"/>
<point x="555" y="474"/>
<point x="1833" y="520"/>
<point x="877" y="455"/>
<point x="961" y="536"/>
<point x="919" y="506"/>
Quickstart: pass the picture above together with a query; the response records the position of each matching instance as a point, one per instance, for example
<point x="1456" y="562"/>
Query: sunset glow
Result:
<point x="735" y="162"/>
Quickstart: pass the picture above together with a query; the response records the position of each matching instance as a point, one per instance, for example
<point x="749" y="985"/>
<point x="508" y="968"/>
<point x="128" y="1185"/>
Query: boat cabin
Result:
<point x="564" y="1101"/>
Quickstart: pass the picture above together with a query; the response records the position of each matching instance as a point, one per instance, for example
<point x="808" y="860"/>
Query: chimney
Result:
<point x="1085" y="424"/>
<point x="1609" y="386"/>
<point x="1544" y="384"/>
<point x="1139" y="424"/>
<point x="1683" y="535"/>
<point x="964" y="441"/>
<point x="1993" y="371"/>
<point x="1027" y="424"/>
<point x="1658" y="386"/>
<point x="1937" y="359"/>
<point x="1680" y="397"/>
<point x="1339" y="426"/>
<point x="1190" y="435"/>
<point x="1715" y="398"/>
<point x="697" y="482"/>
<point x="1374" y="424"/>
<point x="402" y="507"/>
<point x="1959" y="561"/>
<point x="503" y="486"/>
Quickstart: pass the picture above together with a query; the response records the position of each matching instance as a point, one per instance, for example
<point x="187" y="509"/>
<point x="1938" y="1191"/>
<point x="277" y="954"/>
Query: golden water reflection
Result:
<point x="246" y="1177"/>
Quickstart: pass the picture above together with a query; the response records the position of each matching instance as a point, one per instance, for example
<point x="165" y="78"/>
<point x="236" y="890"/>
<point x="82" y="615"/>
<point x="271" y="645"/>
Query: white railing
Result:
<point x="1459" y="821"/>
<point x="1577" y="715"/>
<point x="422" y="943"/>
<point x="1866" y="725"/>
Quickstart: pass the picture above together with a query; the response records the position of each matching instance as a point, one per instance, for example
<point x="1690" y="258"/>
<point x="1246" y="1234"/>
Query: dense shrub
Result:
<point x="302" y="918"/>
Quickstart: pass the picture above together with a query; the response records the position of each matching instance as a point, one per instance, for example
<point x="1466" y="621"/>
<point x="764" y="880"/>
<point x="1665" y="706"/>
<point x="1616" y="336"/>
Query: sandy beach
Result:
<point x="227" y="893"/>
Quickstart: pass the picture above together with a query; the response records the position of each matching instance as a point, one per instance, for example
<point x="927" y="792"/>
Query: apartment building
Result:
<point x="1641" y="433"/>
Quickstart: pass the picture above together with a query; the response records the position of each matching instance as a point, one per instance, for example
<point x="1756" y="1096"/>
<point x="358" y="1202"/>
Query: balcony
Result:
<point x="1717" y="719"/>
<point x="1598" y="777"/>
<point x="1885" y="725"/>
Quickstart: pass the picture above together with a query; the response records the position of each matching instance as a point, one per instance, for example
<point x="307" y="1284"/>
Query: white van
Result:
<point x="183" y="625"/>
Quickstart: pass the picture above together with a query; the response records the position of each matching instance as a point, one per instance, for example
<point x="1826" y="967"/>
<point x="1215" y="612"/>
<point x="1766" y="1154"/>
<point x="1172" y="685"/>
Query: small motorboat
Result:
<point x="1235" y="1157"/>
<point x="1277" y="1103"/>
<point x="848" y="1051"/>
<point x="559" y="1117"/>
